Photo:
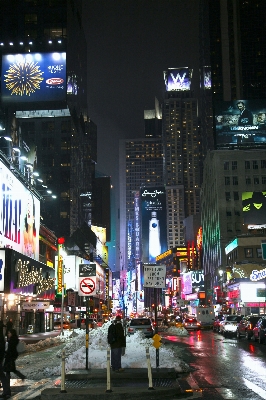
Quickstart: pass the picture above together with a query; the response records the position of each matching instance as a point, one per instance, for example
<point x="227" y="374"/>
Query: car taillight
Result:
<point x="198" y="323"/>
<point x="250" y="326"/>
<point x="130" y="330"/>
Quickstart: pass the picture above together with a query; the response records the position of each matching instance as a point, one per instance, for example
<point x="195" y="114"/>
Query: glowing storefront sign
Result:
<point x="258" y="275"/>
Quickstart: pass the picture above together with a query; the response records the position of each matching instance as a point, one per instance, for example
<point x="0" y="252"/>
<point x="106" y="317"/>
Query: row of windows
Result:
<point x="249" y="253"/>
<point x="254" y="164"/>
<point x="249" y="180"/>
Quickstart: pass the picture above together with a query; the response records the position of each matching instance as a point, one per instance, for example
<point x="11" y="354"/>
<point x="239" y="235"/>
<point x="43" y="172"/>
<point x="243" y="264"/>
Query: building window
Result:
<point x="235" y="180"/>
<point x="226" y="165"/>
<point x="227" y="196"/>
<point x="255" y="164"/>
<point x="228" y="213"/>
<point x="263" y="163"/>
<point x="227" y="180"/>
<point x="263" y="180"/>
<point x="247" y="164"/>
<point x="259" y="253"/>
<point x="248" y="253"/>
<point x="256" y="180"/>
<point x="237" y="213"/>
<point x="229" y="228"/>
<point x="236" y="196"/>
<point x="234" y="165"/>
<point x="248" y="180"/>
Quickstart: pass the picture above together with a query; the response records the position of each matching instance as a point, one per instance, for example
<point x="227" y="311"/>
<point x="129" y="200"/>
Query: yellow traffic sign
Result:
<point x="157" y="341"/>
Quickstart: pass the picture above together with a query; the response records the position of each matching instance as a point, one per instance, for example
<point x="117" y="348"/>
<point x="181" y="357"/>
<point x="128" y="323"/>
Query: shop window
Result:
<point x="248" y="252"/>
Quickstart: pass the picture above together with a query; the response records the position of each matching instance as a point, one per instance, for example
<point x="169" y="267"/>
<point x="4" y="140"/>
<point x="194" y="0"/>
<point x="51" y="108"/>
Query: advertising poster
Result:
<point x="34" y="77"/>
<point x="153" y="223"/>
<point x="254" y="208"/>
<point x="240" y="122"/>
<point x="19" y="216"/>
<point x="178" y="79"/>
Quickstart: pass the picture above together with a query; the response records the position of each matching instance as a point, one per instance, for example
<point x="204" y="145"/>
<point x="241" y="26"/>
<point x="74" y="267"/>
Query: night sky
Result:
<point x="130" y="44"/>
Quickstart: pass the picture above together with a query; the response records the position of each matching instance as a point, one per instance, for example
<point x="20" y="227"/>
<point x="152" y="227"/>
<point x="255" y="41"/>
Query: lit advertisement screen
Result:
<point x="19" y="216"/>
<point x="207" y="80"/>
<point x="254" y="208"/>
<point x="153" y="223"/>
<point x="177" y="79"/>
<point x="240" y="122"/>
<point x="34" y="77"/>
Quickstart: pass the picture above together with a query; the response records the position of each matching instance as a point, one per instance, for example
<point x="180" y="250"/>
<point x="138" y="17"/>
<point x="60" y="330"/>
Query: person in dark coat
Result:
<point x="3" y="379"/>
<point x="118" y="345"/>
<point x="9" y="366"/>
<point x="9" y="325"/>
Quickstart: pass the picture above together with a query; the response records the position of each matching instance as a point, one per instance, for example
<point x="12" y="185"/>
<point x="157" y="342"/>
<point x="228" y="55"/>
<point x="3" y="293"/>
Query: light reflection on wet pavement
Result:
<point x="236" y="369"/>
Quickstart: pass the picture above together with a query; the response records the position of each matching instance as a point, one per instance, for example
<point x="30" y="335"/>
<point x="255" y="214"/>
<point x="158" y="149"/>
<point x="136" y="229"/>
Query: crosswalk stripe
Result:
<point x="255" y="388"/>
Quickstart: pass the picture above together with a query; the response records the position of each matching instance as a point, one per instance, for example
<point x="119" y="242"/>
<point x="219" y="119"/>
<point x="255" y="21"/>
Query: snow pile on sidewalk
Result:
<point x="75" y="351"/>
<point x="181" y="331"/>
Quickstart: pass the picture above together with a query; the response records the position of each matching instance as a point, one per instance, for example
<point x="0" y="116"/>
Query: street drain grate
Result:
<point x="83" y="384"/>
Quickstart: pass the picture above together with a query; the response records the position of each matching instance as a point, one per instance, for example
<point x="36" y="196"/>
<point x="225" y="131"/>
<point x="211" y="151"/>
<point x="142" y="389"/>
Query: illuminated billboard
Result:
<point x="240" y="122"/>
<point x="34" y="77"/>
<point x="206" y="77"/>
<point x="254" y="208"/>
<point x="19" y="216"/>
<point x="177" y="79"/>
<point x="153" y="223"/>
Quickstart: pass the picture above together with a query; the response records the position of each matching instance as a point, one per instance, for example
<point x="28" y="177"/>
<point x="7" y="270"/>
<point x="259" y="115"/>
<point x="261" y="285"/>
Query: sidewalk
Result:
<point x="131" y="384"/>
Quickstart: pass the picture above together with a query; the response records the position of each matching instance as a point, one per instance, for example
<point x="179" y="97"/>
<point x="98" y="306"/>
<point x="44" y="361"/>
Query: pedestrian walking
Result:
<point x="117" y="343"/>
<point x="9" y="365"/>
<point x="9" y="325"/>
<point x="3" y="380"/>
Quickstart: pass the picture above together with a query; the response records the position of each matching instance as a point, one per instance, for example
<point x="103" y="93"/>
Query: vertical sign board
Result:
<point x="87" y="279"/>
<point x="154" y="276"/>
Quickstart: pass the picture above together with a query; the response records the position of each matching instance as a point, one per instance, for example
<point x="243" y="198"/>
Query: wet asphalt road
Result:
<point x="222" y="368"/>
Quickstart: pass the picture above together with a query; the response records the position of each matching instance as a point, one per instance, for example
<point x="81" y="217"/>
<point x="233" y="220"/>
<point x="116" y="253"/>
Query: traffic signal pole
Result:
<point x="87" y="331"/>
<point x="156" y="325"/>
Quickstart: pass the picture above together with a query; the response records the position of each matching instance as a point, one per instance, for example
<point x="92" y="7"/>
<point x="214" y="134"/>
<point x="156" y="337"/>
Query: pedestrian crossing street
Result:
<point x="189" y="385"/>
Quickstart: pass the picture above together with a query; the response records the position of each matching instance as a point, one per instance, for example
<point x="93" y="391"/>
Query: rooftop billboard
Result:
<point x="240" y="122"/>
<point x="34" y="77"/>
<point x="177" y="79"/>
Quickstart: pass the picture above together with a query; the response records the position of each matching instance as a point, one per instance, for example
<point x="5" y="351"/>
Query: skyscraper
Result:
<point x="56" y="129"/>
<point x="182" y="152"/>
<point x="140" y="165"/>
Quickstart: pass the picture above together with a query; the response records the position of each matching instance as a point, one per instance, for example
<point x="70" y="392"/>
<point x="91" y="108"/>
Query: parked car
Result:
<point x="216" y="323"/>
<point x="141" y="324"/>
<point x="246" y="326"/>
<point x="229" y="325"/>
<point x="192" y="324"/>
<point x="57" y="325"/>
<point x="259" y="330"/>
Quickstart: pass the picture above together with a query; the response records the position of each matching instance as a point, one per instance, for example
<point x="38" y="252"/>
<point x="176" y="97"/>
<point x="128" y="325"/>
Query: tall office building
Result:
<point x="232" y="44"/>
<point x="182" y="152"/>
<point x="48" y="121"/>
<point x="140" y="165"/>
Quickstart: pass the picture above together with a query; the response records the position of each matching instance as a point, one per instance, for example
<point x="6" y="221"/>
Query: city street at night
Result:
<point x="223" y="368"/>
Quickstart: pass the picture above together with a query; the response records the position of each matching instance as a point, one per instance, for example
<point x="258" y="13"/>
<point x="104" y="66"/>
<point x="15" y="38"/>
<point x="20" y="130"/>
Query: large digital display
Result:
<point x="34" y="77"/>
<point x="153" y="223"/>
<point x="19" y="216"/>
<point x="240" y="122"/>
<point x="177" y="79"/>
<point x="254" y="208"/>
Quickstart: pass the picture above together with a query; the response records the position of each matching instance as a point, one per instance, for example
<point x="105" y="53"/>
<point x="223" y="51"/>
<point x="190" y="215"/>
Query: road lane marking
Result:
<point x="255" y="388"/>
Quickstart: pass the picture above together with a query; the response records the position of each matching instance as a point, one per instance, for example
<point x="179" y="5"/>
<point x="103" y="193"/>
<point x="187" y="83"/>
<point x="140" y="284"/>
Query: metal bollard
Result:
<point x="63" y="372"/>
<point x="149" y="369"/>
<point x="108" y="367"/>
